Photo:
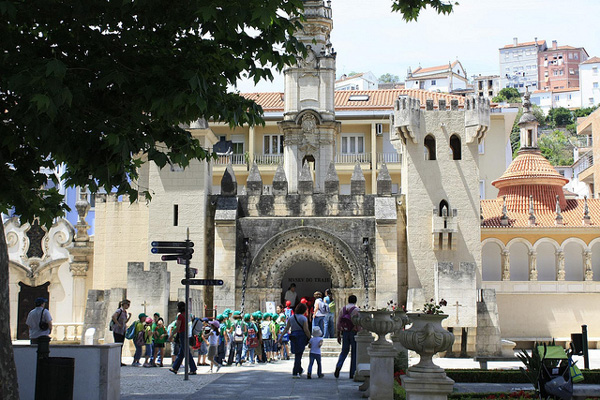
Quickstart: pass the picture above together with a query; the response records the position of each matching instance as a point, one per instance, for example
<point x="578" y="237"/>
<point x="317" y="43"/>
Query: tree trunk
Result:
<point x="9" y="386"/>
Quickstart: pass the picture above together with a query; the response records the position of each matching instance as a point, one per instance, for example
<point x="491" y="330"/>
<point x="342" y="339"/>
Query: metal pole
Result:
<point x="186" y="344"/>
<point x="584" y="339"/>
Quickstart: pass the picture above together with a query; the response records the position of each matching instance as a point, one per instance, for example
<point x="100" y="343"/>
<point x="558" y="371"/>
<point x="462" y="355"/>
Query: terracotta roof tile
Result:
<point x="527" y="165"/>
<point x="572" y="214"/>
<point x="378" y="99"/>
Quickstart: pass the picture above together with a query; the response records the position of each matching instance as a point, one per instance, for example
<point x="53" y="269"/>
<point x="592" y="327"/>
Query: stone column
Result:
<point x="373" y="158"/>
<point x="251" y="139"/>
<point x="533" y="273"/>
<point x="505" y="265"/>
<point x="587" y="263"/>
<point x="560" y="265"/>
<point x="82" y="251"/>
<point x="224" y="296"/>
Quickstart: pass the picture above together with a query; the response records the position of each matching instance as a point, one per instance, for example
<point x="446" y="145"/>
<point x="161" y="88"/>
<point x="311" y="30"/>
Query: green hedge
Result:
<point x="506" y="376"/>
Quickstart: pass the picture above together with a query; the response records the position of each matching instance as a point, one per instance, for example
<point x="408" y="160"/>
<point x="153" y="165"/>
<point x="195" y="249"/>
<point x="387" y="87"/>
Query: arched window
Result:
<point x="429" y="147"/>
<point x="455" y="147"/>
<point x="444" y="206"/>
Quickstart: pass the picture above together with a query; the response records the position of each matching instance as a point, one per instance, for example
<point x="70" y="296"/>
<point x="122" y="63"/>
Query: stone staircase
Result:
<point x="330" y="348"/>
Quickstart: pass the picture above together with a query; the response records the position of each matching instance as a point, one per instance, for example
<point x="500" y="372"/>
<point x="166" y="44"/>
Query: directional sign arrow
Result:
<point x="172" y="244"/>
<point x="202" y="282"/>
<point x="171" y="250"/>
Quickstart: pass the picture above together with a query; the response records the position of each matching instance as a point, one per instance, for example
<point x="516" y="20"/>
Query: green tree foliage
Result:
<point x="389" y="78"/>
<point x="584" y="112"/>
<point x="100" y="86"/>
<point x="509" y="95"/>
<point x="559" y="117"/>
<point x="555" y="146"/>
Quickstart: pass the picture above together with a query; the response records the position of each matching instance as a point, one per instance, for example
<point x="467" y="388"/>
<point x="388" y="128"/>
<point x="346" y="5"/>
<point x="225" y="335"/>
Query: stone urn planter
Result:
<point x="379" y="322"/>
<point x="426" y="337"/>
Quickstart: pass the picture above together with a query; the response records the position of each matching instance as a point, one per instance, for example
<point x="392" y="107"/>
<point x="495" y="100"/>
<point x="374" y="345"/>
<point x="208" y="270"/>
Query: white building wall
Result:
<point x="518" y="67"/>
<point x="589" y="83"/>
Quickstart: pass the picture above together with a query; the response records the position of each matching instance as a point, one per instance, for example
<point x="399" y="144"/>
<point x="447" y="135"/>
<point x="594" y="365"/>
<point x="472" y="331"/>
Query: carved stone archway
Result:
<point x="289" y="247"/>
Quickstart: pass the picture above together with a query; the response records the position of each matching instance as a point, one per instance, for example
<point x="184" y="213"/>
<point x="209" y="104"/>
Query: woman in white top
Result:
<point x="320" y="311"/>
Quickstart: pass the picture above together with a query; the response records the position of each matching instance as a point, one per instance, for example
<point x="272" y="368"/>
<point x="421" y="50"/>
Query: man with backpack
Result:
<point x="346" y="332"/>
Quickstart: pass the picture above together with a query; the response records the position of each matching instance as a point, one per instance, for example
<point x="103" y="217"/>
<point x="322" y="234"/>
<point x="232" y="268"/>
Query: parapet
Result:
<point x="477" y="118"/>
<point x="407" y="119"/>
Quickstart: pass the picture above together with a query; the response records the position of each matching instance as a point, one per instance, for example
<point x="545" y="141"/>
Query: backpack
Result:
<point x="238" y="333"/>
<point x="140" y="339"/>
<point x="251" y="338"/>
<point x="111" y="324"/>
<point x="266" y="331"/>
<point x="130" y="332"/>
<point x="323" y="307"/>
<point x="346" y="323"/>
<point x="283" y="334"/>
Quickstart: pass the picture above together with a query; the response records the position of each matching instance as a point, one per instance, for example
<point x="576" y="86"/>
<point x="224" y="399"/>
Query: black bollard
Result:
<point x="586" y="356"/>
<point x="54" y="375"/>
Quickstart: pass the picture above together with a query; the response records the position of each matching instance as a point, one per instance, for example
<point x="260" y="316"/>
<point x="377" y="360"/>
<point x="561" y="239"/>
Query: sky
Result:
<point x="367" y="36"/>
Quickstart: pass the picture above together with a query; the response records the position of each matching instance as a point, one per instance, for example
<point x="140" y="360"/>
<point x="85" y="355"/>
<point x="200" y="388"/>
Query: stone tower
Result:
<point x="309" y="126"/>
<point x="440" y="178"/>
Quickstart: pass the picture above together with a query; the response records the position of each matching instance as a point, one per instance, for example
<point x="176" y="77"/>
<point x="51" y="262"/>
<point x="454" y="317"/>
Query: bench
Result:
<point x="364" y="370"/>
<point x="583" y="391"/>
<point x="483" y="360"/>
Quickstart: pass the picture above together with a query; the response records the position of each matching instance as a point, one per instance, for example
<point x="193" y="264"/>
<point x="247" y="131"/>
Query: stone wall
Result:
<point x="100" y="306"/>
<point x="148" y="289"/>
<point x="488" y="325"/>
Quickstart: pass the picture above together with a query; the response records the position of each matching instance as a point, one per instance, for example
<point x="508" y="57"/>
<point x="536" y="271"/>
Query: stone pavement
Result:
<point x="274" y="381"/>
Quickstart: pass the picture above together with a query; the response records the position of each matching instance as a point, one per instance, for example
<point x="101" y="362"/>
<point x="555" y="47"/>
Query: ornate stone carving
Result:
<point x="36" y="235"/>
<point x="79" y="268"/>
<point x="560" y="263"/>
<point x="310" y="60"/>
<point x="427" y="337"/>
<point x="82" y="206"/>
<point x="533" y="273"/>
<point x="305" y="244"/>
<point x="587" y="262"/>
<point x="379" y="322"/>
<point x="309" y="143"/>
<point x="505" y="265"/>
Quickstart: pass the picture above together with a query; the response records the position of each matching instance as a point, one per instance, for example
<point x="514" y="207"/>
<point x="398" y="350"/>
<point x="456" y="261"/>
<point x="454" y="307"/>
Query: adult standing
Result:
<point x="120" y="319"/>
<point x="182" y="336"/>
<point x="320" y="311"/>
<point x="39" y="321"/>
<point x="330" y="318"/>
<point x="299" y="336"/>
<point x="291" y="296"/>
<point x="346" y="332"/>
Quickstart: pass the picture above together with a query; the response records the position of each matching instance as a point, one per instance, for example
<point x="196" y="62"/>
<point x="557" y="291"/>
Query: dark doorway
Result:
<point x="309" y="277"/>
<point x="27" y="296"/>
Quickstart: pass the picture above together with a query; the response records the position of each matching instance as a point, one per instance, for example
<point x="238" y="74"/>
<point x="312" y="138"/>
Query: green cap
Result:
<point x="142" y="315"/>
<point x="246" y="317"/>
<point x="237" y="313"/>
<point x="220" y="317"/>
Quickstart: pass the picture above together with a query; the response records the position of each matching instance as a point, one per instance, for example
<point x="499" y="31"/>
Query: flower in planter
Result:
<point x="432" y="308"/>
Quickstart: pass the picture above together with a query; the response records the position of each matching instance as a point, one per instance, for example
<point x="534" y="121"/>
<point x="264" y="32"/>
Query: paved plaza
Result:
<point x="274" y="381"/>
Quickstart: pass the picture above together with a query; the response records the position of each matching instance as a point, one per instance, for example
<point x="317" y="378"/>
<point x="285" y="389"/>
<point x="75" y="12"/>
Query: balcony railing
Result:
<point x="230" y="158"/>
<point x="389" y="158"/>
<point x="581" y="141"/>
<point x="268" y="159"/>
<point x="353" y="158"/>
<point x="66" y="332"/>
<point x="583" y="163"/>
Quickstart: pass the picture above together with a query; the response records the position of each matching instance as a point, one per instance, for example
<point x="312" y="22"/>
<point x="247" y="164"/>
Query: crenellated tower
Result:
<point x="309" y="126"/>
<point x="440" y="178"/>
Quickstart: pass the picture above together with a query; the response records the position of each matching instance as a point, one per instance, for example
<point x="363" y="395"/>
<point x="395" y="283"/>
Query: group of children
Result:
<point x="232" y="338"/>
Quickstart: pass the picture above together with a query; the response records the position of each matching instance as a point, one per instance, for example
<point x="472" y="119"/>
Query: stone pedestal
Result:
<point x="427" y="386"/>
<point x="363" y="340"/>
<point x="382" y="371"/>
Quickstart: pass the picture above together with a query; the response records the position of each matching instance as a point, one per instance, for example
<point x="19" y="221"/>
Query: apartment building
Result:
<point x="486" y="86"/>
<point x="558" y="66"/>
<point x="448" y="78"/>
<point x="519" y="64"/>
<point x="590" y="82"/>
<point x="362" y="81"/>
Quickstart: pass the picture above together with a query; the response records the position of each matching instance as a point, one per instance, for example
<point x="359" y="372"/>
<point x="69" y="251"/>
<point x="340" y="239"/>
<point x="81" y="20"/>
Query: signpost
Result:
<point x="182" y="253"/>
<point x="176" y="251"/>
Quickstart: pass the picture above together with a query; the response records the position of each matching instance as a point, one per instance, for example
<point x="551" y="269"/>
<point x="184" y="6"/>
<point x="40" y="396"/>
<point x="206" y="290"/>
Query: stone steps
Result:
<point x="330" y="348"/>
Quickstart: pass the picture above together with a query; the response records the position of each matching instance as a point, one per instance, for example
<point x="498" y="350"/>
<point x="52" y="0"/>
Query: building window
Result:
<point x="595" y="70"/>
<point x="570" y="56"/>
<point x="433" y="82"/>
<point x="595" y="85"/>
<point x="576" y="56"/>
<point x="455" y="147"/>
<point x="353" y="144"/>
<point x="429" y="148"/>
<point x="273" y="144"/>
<point x="571" y="71"/>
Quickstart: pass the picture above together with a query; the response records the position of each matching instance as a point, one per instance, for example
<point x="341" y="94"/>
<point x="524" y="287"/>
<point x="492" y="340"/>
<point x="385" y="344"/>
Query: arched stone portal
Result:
<point x="309" y="277"/>
<point x="308" y="245"/>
